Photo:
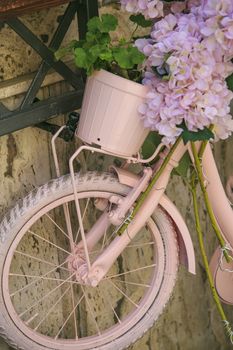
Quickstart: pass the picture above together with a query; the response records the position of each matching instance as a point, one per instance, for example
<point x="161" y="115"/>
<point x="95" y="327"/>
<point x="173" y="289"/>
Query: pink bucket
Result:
<point x="109" y="116"/>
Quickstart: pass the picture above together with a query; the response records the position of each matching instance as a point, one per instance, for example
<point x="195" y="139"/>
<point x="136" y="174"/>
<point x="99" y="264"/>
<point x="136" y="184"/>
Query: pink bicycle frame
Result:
<point x="105" y="260"/>
<point x="221" y="207"/>
<point x="219" y="201"/>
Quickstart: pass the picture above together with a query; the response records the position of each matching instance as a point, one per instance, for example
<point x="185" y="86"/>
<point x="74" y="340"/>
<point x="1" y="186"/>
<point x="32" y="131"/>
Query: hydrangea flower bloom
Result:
<point x="188" y="58"/>
<point x="149" y="8"/>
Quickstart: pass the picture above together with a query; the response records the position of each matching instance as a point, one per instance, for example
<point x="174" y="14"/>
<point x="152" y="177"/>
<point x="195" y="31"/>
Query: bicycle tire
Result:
<point x="11" y="328"/>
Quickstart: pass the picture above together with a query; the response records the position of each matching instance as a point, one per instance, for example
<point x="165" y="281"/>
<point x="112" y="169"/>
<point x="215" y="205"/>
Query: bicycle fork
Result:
<point x="99" y="268"/>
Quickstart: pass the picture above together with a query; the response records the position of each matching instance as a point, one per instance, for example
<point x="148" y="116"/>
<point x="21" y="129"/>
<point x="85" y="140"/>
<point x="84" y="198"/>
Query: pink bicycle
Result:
<point x="94" y="272"/>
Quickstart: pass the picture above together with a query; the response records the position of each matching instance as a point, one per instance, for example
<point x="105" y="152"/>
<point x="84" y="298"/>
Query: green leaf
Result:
<point x="100" y="51"/>
<point x="183" y="167"/>
<point x="141" y="21"/>
<point x="137" y="56"/>
<point x="67" y="50"/>
<point x="122" y="57"/>
<point x="98" y="38"/>
<point x="104" y="24"/>
<point x="61" y="53"/>
<point x="90" y="69"/>
<point x="122" y="41"/>
<point x="95" y="51"/>
<point x="90" y="38"/>
<point x="103" y="38"/>
<point x="150" y="144"/>
<point x="106" y="54"/>
<point x="94" y="24"/>
<point x="100" y="64"/>
<point x="109" y="23"/>
<point x="127" y="57"/>
<point x="81" y="58"/>
<point x="199" y="135"/>
<point x="229" y="81"/>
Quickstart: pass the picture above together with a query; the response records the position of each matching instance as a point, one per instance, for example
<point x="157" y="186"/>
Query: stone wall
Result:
<point x="190" y="320"/>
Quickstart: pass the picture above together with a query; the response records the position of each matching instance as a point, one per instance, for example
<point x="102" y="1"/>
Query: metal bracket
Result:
<point x="68" y="132"/>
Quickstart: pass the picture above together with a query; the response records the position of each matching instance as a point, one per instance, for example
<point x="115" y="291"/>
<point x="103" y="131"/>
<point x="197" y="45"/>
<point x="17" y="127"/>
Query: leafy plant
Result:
<point x="98" y="52"/>
<point x="150" y="144"/>
<point x="183" y="167"/>
<point x="229" y="81"/>
<point x="141" y="21"/>
<point x="200" y="135"/>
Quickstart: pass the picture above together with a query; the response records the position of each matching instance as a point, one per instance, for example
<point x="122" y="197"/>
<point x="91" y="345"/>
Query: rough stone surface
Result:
<point x="190" y="320"/>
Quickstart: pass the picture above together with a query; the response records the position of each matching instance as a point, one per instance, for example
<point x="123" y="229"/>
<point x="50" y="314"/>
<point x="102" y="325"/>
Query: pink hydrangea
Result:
<point x="180" y="6"/>
<point x="218" y="34"/>
<point x="210" y="8"/>
<point x="192" y="50"/>
<point x="217" y="28"/>
<point x="165" y="109"/>
<point x="149" y="8"/>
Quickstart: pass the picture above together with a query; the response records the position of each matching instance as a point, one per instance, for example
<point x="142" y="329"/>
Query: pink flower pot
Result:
<point x="109" y="116"/>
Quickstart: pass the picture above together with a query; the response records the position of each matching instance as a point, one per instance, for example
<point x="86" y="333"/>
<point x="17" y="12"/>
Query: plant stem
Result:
<point x="203" y="253"/>
<point x="156" y="176"/>
<point x="204" y="143"/>
<point x="206" y="199"/>
<point x="134" y="31"/>
<point x="124" y="73"/>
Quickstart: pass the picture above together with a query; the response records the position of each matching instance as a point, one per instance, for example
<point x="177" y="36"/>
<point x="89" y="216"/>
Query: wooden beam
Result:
<point x="40" y="111"/>
<point x="14" y="8"/>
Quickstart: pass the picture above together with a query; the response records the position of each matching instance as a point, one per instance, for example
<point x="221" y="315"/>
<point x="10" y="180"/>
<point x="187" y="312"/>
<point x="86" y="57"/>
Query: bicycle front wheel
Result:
<point x="44" y="306"/>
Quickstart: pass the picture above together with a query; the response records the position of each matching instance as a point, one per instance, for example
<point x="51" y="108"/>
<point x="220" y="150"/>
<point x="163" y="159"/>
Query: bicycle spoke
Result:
<point x="31" y="319"/>
<point x="74" y="314"/>
<point x="49" y="242"/>
<point x="43" y="278"/>
<point x="61" y="309"/>
<point x="40" y="260"/>
<point x="123" y="293"/>
<point x="83" y="216"/>
<point x="68" y="225"/>
<point x="51" y="309"/>
<point x="104" y="238"/>
<point x="113" y="310"/>
<point x="65" y="234"/>
<point x="91" y="311"/>
<point x="39" y="278"/>
<point x="57" y="335"/>
<point x="109" y="238"/>
<point x="125" y="273"/>
<point x="45" y="296"/>
<point x="134" y="283"/>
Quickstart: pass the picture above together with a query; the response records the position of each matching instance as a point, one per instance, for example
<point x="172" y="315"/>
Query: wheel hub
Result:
<point x="77" y="265"/>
